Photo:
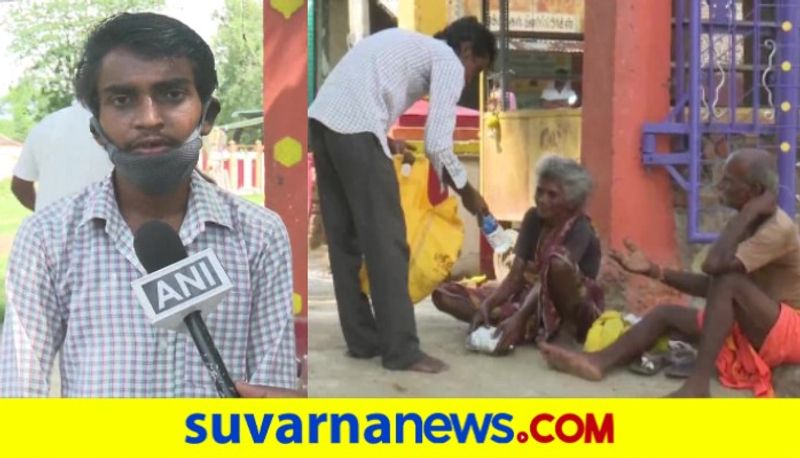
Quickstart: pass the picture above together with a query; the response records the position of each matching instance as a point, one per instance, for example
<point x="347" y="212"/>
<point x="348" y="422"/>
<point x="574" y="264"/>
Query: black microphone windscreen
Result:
<point x="157" y="245"/>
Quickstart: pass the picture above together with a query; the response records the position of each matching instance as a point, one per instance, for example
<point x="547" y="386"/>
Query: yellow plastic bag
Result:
<point x="608" y="327"/>
<point x="434" y="233"/>
<point x="605" y="330"/>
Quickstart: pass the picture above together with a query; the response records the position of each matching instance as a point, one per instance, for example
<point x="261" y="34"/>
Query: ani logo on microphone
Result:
<point x="195" y="283"/>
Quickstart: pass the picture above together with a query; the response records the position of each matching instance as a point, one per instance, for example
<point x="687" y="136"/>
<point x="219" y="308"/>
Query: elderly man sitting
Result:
<point x="751" y="283"/>
<point x="550" y="291"/>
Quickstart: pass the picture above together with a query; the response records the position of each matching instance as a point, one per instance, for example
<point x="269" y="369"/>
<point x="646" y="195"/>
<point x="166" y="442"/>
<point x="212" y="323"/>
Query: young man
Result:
<point x="751" y="283"/>
<point x="148" y="80"/>
<point x="381" y="77"/>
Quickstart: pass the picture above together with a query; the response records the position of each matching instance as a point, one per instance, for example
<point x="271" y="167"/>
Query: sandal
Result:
<point x="682" y="370"/>
<point x="682" y="363"/>
<point x="648" y="364"/>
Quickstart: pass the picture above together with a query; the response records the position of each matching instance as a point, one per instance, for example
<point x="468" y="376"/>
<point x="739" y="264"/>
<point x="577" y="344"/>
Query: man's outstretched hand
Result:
<point x="633" y="259"/>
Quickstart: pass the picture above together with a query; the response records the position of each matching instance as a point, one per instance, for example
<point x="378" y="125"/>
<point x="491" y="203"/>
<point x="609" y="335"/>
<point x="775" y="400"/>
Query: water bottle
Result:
<point x="495" y="234"/>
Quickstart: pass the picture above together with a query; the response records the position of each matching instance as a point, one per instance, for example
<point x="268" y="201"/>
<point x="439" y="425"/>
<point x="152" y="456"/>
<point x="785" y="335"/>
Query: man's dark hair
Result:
<point x="468" y="29"/>
<point x="150" y="35"/>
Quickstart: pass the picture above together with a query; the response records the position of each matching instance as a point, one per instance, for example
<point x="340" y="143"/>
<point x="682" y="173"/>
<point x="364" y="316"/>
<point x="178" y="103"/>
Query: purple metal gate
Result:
<point x="756" y="42"/>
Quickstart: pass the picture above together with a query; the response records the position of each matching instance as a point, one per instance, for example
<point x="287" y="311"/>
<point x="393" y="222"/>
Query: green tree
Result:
<point x="239" y="50"/>
<point x="21" y="106"/>
<point x="48" y="36"/>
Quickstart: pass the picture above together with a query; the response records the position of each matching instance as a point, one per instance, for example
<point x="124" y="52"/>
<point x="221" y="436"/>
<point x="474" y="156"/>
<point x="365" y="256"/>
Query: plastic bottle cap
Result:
<point x="489" y="224"/>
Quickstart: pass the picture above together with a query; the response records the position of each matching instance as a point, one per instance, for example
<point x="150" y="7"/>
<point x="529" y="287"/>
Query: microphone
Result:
<point x="179" y="289"/>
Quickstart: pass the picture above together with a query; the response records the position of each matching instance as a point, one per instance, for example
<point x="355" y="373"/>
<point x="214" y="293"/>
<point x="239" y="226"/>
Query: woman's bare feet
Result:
<point x="571" y="362"/>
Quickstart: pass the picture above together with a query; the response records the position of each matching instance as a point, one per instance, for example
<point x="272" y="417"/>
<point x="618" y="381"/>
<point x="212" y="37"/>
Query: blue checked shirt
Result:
<point x="69" y="288"/>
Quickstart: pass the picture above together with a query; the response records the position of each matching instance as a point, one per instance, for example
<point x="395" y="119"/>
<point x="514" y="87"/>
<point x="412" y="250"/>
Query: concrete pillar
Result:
<point x="285" y="141"/>
<point x="626" y="83"/>
<point x="424" y="16"/>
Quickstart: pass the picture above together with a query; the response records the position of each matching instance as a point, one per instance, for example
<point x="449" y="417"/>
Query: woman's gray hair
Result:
<point x="575" y="180"/>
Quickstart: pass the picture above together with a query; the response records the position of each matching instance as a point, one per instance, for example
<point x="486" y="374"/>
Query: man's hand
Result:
<point x="400" y="147"/>
<point x="764" y="205"/>
<point x="247" y="390"/>
<point x="473" y="201"/>
<point x="635" y="261"/>
<point x="511" y="331"/>
<point x="721" y="257"/>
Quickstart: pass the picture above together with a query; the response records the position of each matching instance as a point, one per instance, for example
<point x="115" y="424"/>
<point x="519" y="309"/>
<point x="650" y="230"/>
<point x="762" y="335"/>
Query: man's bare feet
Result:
<point x="428" y="364"/>
<point x="571" y="362"/>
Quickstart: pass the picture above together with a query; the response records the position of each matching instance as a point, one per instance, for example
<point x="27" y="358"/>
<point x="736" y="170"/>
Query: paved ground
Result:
<point x="521" y="374"/>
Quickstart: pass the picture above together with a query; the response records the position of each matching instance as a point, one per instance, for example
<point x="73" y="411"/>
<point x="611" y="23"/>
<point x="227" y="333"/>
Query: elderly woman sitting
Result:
<point x="550" y="291"/>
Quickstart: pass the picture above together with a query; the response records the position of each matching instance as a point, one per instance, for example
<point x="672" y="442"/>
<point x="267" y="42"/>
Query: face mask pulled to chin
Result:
<point x="156" y="174"/>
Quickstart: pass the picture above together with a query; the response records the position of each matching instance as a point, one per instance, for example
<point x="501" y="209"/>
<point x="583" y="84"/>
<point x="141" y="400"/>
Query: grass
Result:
<point x="257" y="199"/>
<point x="11" y="215"/>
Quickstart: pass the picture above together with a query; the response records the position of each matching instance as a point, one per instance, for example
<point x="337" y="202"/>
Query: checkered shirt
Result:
<point x="381" y="77"/>
<point x="69" y="289"/>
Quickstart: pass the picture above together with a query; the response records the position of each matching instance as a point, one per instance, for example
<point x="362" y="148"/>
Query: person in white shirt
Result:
<point x="559" y="93"/>
<point x="375" y="82"/>
<point x="61" y="156"/>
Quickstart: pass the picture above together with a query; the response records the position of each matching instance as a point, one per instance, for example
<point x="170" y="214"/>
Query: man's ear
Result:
<point x="95" y="134"/>
<point x="465" y="50"/>
<point x="211" y="115"/>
